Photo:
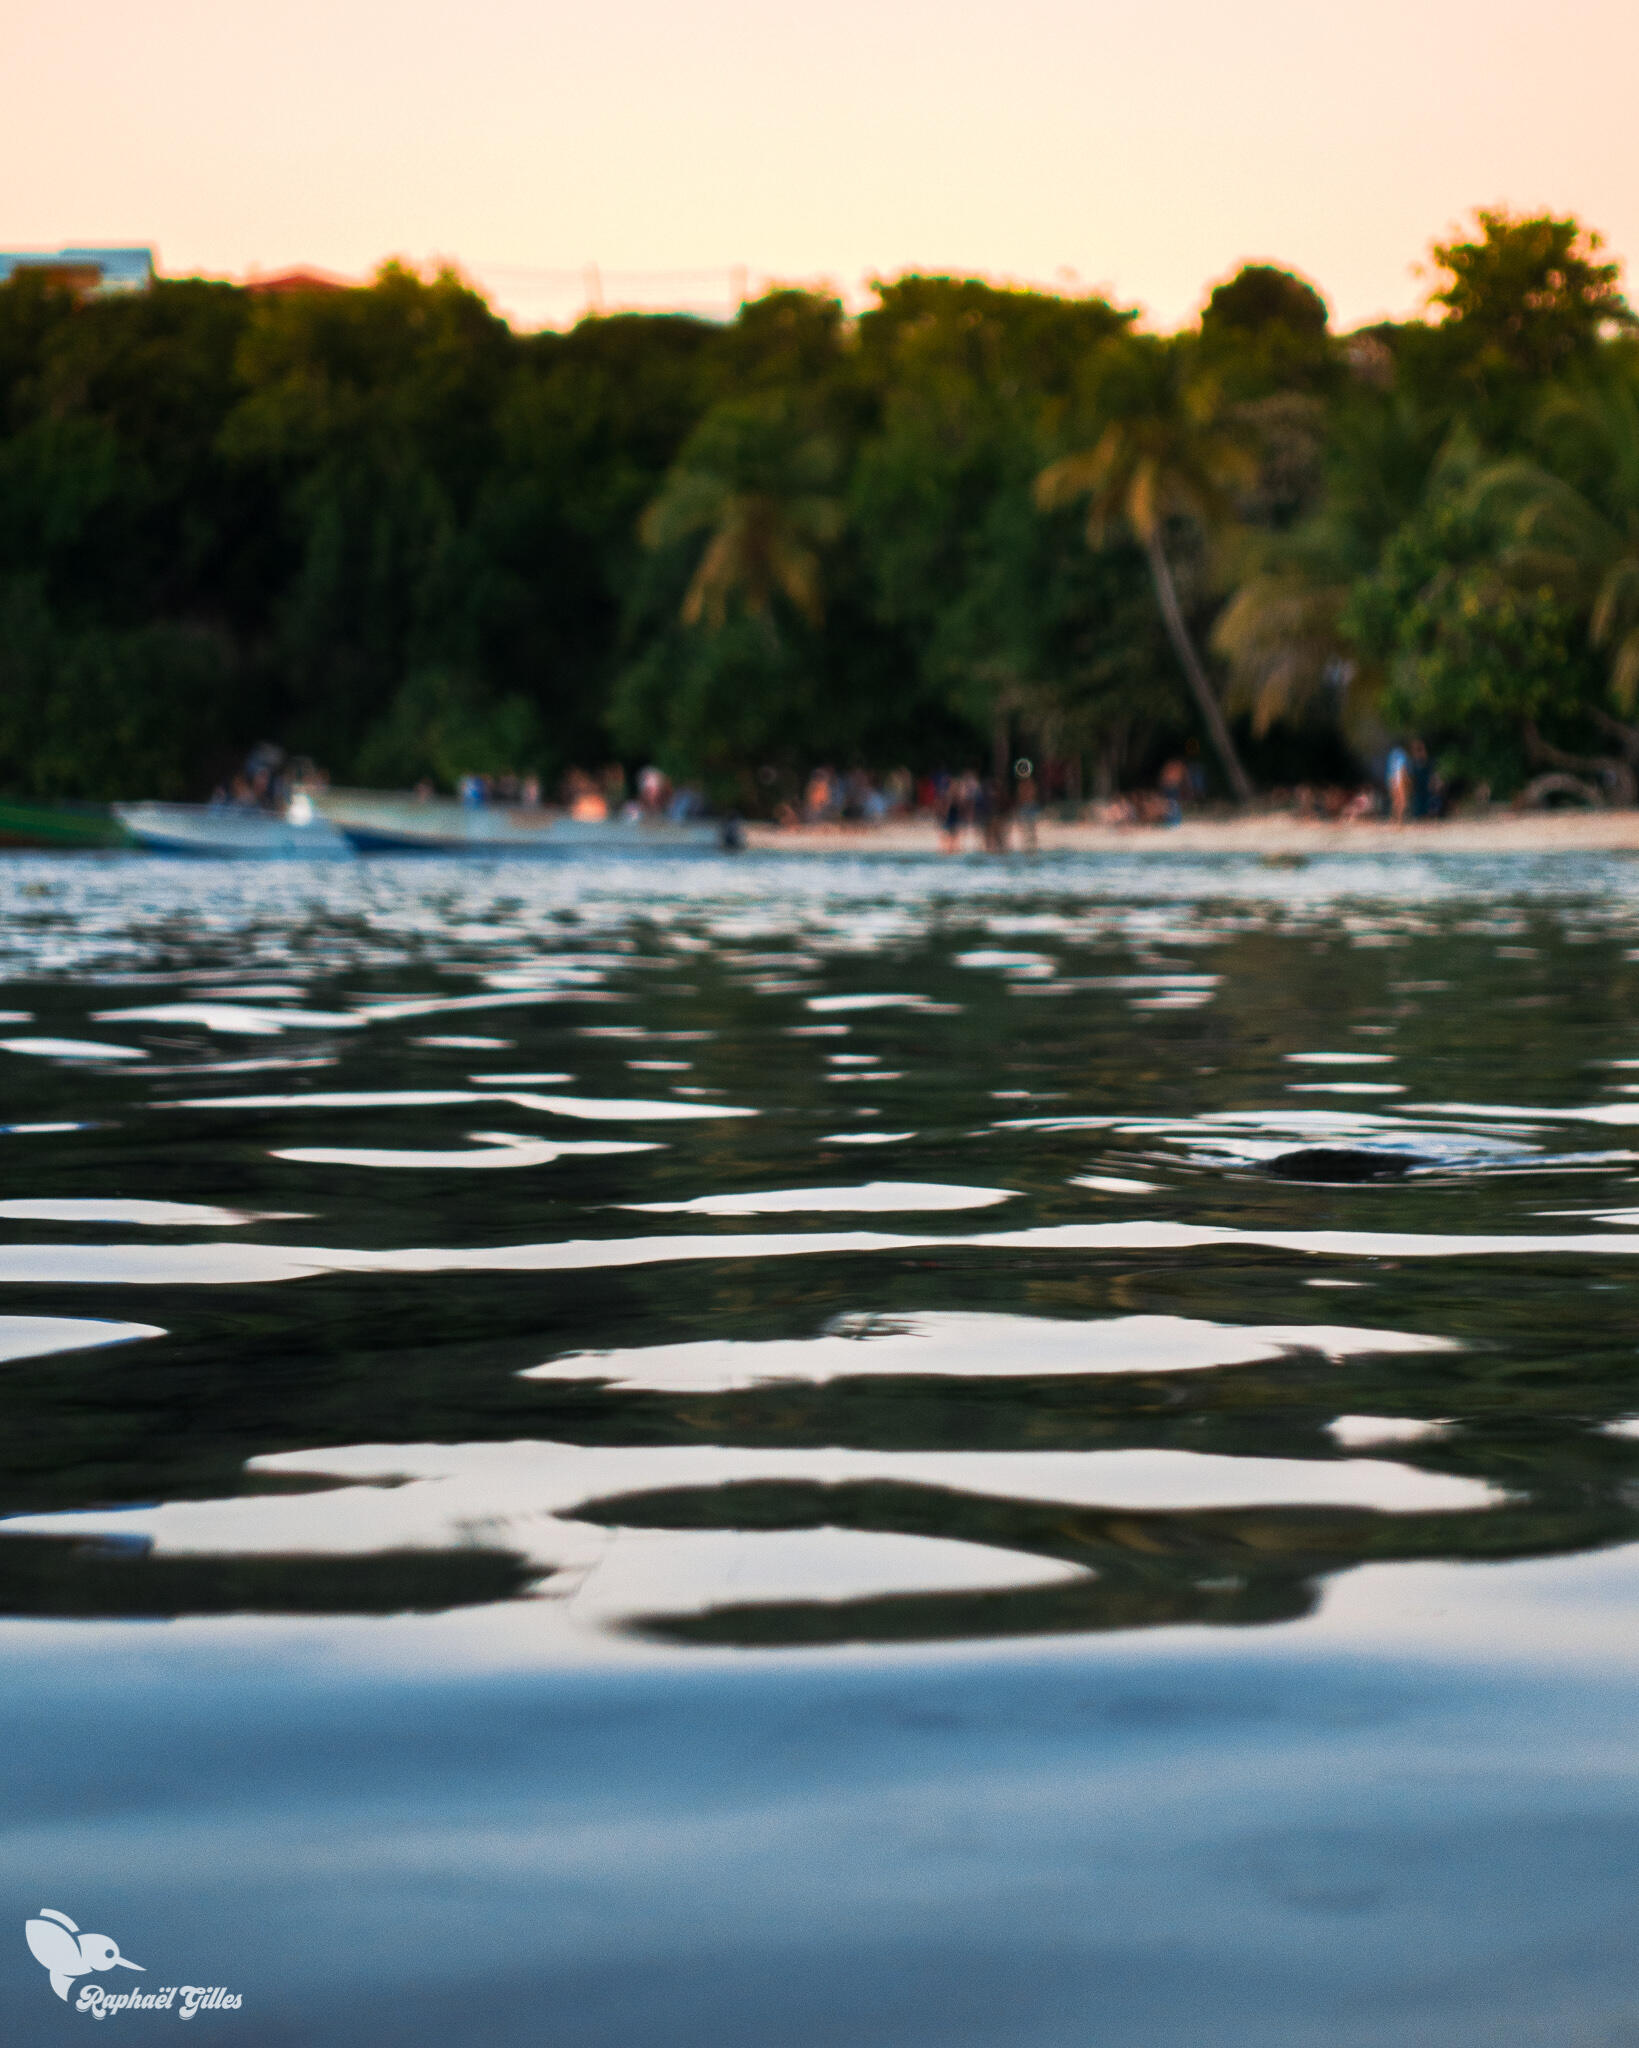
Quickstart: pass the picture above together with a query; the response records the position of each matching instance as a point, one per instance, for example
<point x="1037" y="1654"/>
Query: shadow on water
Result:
<point x="111" y="1581"/>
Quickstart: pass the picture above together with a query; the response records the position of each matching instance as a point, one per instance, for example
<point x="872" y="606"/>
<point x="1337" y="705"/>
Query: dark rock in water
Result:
<point x="1334" y="1164"/>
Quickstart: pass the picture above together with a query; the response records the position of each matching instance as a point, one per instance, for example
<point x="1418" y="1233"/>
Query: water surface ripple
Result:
<point x="1239" y="1289"/>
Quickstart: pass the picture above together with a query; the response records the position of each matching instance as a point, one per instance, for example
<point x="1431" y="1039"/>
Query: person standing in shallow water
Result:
<point x="1397" y="777"/>
<point x="1176" y="790"/>
<point x="950" y="824"/>
<point x="1421" y="773"/>
<point x="959" y="805"/>
<point x="1026" y="804"/>
<point x="990" y="815"/>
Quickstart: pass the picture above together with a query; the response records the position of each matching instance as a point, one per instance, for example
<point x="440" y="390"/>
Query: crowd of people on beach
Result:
<point x="992" y="812"/>
<point x="595" y="799"/>
<point x="988" y="812"/>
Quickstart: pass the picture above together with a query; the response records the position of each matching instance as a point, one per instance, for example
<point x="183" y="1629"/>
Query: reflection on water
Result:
<point x="952" y="1342"/>
<point x="694" y="1385"/>
<point x="737" y="1535"/>
<point x="1165" y="1207"/>
<point x="39" y="1336"/>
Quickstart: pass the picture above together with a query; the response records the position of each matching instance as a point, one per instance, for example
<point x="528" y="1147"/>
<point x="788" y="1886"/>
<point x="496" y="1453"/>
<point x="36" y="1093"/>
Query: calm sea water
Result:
<point x="825" y="1454"/>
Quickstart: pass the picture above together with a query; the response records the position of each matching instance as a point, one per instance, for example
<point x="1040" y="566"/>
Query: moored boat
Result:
<point x="233" y="831"/>
<point x="376" y="823"/>
<point x="52" y="826"/>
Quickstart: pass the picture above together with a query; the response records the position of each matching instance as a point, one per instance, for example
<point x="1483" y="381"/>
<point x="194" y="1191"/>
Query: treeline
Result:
<point x="383" y="529"/>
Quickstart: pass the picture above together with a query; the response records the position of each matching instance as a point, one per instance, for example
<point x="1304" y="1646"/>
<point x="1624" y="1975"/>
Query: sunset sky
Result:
<point x="1144" y="146"/>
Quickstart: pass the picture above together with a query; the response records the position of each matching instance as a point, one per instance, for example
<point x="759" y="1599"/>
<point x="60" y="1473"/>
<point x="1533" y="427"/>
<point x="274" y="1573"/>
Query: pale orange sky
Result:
<point x="1147" y="146"/>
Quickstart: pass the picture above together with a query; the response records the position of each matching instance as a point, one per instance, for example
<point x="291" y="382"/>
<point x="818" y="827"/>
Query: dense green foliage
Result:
<point x="385" y="530"/>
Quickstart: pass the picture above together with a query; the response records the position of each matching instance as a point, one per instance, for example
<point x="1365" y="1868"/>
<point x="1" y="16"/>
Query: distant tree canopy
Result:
<point x="1529" y="294"/>
<point x="1259" y="296"/>
<point x="389" y="532"/>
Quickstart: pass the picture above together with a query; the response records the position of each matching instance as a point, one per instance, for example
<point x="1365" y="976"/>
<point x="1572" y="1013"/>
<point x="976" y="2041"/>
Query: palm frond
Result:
<point x="796" y="570"/>
<point x="714" y="578"/>
<point x="1625" y="670"/>
<point x="690" y="501"/>
<point x="1075" y="476"/>
<point x="1279" y="635"/>
<point x="1146" y="507"/>
<point x="1617" y="604"/>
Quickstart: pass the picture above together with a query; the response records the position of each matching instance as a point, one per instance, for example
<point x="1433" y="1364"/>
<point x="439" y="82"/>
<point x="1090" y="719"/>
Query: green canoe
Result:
<point x="59" y="825"/>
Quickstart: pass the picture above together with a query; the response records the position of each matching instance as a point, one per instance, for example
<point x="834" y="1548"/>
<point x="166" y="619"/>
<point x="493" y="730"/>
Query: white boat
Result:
<point x="234" y="831"/>
<point x="374" y="823"/>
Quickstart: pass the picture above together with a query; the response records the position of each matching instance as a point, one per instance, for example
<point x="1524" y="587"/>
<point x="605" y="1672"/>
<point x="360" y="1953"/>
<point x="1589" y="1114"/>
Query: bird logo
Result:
<point x="59" y="1946"/>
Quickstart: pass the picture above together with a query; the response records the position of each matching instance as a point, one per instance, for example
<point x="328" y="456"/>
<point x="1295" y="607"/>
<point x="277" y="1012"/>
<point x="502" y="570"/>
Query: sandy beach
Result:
<point x="1266" y="833"/>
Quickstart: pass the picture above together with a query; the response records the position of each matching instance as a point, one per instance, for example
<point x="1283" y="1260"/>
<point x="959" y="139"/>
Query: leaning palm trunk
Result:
<point x="1206" y="698"/>
<point x="1615" y="778"/>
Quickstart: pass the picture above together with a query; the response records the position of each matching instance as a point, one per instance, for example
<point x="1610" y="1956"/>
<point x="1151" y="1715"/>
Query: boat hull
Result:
<point x="403" y="825"/>
<point x="220" y="832"/>
<point x="60" y="826"/>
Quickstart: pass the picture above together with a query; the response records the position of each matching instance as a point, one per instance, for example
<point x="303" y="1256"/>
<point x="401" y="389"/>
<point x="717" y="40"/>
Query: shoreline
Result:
<point x="1276" y="833"/>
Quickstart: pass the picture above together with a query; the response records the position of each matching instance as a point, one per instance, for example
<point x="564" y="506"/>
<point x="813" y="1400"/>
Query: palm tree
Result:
<point x="1281" y="633"/>
<point x="1583" y="540"/>
<point x="755" y="480"/>
<point x="1168" y="453"/>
